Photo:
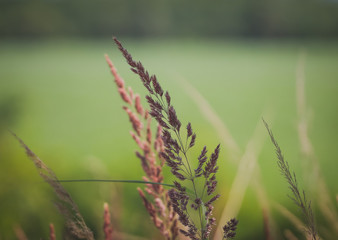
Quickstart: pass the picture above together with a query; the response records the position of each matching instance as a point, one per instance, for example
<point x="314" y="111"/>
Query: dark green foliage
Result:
<point x="262" y="18"/>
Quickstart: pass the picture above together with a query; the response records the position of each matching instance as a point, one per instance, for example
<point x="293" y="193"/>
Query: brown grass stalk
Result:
<point x="51" y="232"/>
<point x="264" y="202"/>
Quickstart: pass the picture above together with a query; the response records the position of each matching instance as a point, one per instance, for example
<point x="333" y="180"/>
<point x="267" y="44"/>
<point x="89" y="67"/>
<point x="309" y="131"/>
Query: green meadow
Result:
<point x="60" y="99"/>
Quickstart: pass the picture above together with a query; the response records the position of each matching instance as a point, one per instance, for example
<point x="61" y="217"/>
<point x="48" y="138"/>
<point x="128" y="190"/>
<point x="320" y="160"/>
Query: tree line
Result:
<point x="157" y="18"/>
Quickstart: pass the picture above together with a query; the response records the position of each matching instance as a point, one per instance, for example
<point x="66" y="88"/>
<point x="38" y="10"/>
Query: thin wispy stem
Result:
<point x="249" y="174"/>
<point x="75" y="223"/>
<point x="298" y="197"/>
<point x="209" y="113"/>
<point x="246" y="168"/>
<point x="113" y="181"/>
<point x="297" y="223"/>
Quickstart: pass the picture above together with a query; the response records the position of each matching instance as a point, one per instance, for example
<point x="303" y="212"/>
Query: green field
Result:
<point x="59" y="97"/>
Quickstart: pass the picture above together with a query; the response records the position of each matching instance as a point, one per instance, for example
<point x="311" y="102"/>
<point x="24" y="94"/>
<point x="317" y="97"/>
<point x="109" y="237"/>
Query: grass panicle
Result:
<point x="175" y="153"/>
<point x="248" y="170"/>
<point x="157" y="203"/>
<point x="298" y="196"/>
<point x="229" y="229"/>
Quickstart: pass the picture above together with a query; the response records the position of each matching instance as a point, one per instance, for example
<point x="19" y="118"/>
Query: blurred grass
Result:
<point x="58" y="96"/>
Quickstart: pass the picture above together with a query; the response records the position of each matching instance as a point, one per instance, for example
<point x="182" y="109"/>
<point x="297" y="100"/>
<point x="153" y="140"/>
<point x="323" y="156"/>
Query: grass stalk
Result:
<point x="175" y="155"/>
<point x="298" y="196"/>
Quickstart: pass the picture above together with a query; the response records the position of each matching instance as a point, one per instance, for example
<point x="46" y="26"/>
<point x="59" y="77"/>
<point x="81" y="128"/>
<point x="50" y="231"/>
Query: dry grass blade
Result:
<point x="234" y="154"/>
<point x="74" y="221"/>
<point x="245" y="171"/>
<point x="293" y="219"/>
<point x="310" y="161"/>
<point x="289" y="235"/>
<point x="269" y="223"/>
<point x="298" y="196"/>
<point x="210" y="114"/>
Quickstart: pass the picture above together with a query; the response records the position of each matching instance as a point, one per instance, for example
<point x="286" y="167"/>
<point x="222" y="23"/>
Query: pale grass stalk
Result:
<point x="234" y="154"/>
<point x="233" y="150"/>
<point x="264" y="202"/>
<point x="326" y="205"/>
<point x="301" y="100"/>
<point x="289" y="235"/>
<point x="293" y="219"/>
<point x="243" y="177"/>
<point x="112" y="192"/>
<point x="314" y="175"/>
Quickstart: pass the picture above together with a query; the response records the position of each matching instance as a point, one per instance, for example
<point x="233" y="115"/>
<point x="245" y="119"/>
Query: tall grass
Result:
<point x="238" y="189"/>
<point x="157" y="202"/>
<point x="248" y="170"/>
<point x="298" y="196"/>
<point x="75" y="224"/>
<point x="175" y="153"/>
<point x="183" y="209"/>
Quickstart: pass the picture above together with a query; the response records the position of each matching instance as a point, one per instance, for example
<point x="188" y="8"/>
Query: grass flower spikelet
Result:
<point x="176" y="157"/>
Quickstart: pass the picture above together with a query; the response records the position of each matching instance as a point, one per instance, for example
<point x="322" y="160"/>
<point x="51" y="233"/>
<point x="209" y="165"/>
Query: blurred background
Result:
<point x="248" y="59"/>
